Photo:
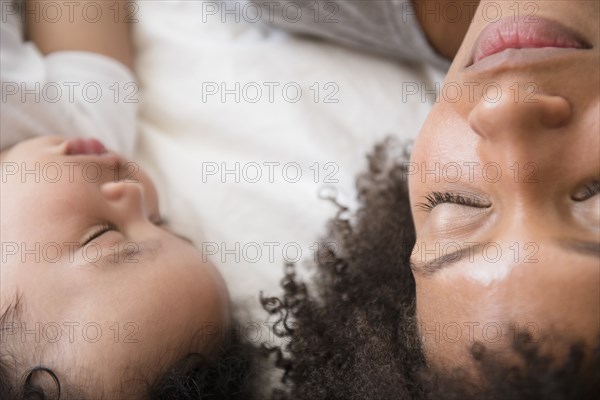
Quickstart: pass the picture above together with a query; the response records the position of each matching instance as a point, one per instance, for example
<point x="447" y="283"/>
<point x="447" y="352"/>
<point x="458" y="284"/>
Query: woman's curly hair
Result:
<point x="351" y="332"/>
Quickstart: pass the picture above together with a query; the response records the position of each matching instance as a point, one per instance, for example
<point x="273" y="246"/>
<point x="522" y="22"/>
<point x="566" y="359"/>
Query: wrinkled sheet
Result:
<point x="245" y="177"/>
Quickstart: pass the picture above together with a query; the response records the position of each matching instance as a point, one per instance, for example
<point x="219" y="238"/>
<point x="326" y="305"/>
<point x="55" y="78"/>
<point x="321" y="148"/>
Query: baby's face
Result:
<point x="106" y="288"/>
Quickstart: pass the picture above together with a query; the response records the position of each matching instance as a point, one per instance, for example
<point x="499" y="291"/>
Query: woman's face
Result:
<point x="504" y="183"/>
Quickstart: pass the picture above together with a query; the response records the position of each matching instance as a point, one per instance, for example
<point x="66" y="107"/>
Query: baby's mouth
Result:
<point x="85" y="146"/>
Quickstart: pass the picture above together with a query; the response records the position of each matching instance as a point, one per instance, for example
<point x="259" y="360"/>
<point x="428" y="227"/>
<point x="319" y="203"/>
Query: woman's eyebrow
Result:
<point x="428" y="268"/>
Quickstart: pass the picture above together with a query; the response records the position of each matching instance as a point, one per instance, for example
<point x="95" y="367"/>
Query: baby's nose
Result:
<point x="125" y="197"/>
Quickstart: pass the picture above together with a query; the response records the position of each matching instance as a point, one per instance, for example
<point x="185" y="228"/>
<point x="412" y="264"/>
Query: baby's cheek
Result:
<point x="150" y="192"/>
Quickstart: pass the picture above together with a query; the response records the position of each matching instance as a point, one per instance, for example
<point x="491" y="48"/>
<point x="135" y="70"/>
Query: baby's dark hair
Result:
<point x="226" y="374"/>
<point x="351" y="333"/>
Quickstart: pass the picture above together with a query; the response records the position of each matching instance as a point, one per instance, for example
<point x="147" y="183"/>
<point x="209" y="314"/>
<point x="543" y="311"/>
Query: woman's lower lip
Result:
<point x="524" y="33"/>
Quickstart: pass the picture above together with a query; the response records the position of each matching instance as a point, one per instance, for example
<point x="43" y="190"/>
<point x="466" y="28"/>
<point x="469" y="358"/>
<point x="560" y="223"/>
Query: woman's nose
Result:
<point x="519" y="119"/>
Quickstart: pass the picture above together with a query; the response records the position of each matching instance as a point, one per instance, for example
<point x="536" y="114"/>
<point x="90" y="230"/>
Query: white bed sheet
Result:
<point x="181" y="134"/>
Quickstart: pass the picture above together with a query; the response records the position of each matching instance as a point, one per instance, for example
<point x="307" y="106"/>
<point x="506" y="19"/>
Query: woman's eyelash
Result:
<point x="436" y="198"/>
<point x="102" y="229"/>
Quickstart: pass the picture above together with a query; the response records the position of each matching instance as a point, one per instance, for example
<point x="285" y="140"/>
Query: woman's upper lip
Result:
<point x="525" y="33"/>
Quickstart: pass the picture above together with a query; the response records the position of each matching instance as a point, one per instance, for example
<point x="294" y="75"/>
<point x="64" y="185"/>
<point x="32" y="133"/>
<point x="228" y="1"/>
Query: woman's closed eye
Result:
<point x="434" y="199"/>
<point x="453" y="215"/>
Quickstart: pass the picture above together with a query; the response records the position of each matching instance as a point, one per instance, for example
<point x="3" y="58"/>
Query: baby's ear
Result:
<point x="41" y="383"/>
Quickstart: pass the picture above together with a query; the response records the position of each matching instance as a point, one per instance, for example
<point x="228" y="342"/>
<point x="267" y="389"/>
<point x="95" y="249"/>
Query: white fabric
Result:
<point x="180" y="47"/>
<point x="67" y="93"/>
<point x="388" y="27"/>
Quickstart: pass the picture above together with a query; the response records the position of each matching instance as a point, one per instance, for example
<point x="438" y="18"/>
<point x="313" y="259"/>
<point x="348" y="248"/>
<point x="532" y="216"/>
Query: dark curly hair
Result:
<point x="226" y="374"/>
<point x="351" y="333"/>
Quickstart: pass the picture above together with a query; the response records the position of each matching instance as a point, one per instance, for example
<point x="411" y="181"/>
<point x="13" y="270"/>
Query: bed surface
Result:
<point x="189" y="135"/>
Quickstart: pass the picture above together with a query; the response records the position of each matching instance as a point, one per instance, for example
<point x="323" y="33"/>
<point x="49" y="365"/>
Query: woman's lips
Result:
<point x="85" y="146"/>
<point x="524" y="33"/>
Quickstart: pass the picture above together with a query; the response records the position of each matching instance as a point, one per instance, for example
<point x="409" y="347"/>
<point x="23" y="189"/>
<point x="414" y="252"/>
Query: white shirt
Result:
<point x="66" y="93"/>
<point x="387" y="27"/>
